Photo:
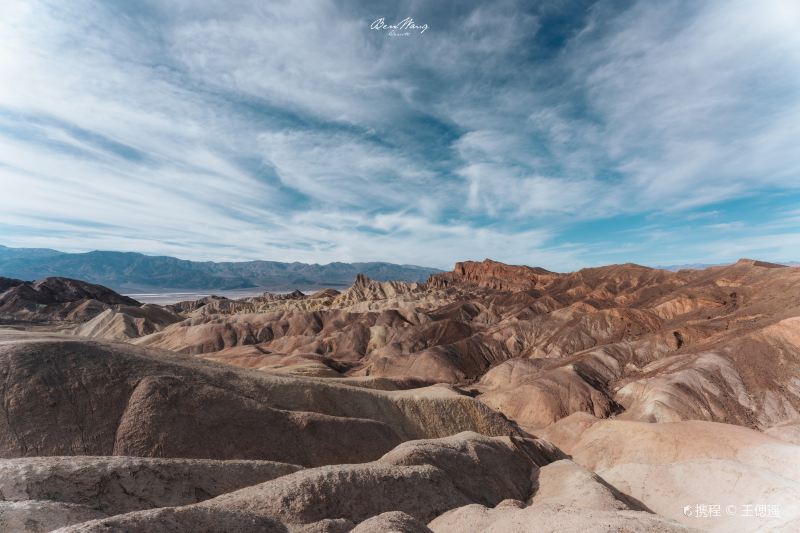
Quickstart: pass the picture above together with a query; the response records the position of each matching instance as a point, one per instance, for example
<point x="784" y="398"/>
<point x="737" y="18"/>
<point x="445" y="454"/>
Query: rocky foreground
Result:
<point x="490" y="398"/>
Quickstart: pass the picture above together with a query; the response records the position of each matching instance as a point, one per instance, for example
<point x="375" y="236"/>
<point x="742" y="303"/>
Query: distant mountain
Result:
<point x="27" y="253"/>
<point x="128" y="271"/>
<point x="689" y="266"/>
<point x="701" y="266"/>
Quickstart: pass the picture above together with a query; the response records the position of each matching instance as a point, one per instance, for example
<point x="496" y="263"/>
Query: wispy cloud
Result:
<point x="290" y="131"/>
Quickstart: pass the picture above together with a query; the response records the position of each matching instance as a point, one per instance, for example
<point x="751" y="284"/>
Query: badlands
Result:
<point x="491" y="398"/>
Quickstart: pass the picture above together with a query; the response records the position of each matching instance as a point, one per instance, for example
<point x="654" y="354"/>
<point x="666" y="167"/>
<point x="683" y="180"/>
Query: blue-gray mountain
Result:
<point x="125" y="271"/>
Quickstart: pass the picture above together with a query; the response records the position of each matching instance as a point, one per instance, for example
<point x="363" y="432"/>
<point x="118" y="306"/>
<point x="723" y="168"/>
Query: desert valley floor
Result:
<point x="491" y="398"/>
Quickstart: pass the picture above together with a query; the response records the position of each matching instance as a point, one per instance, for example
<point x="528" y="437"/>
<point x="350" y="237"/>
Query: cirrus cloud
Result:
<point x="548" y="134"/>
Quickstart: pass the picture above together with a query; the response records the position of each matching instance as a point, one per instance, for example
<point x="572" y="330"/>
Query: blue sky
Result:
<point x="555" y="133"/>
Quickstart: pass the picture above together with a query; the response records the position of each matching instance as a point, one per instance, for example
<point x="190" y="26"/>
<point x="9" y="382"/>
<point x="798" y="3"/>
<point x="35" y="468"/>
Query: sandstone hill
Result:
<point x="621" y="340"/>
<point x="53" y="299"/>
<point x="493" y="398"/>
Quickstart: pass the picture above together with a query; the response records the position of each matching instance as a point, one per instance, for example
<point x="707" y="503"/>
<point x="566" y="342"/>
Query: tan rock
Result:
<point x="113" y="485"/>
<point x="32" y="516"/>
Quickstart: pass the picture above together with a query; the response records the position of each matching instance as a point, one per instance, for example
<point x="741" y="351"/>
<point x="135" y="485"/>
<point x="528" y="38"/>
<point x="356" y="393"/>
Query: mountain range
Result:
<point x="129" y="271"/>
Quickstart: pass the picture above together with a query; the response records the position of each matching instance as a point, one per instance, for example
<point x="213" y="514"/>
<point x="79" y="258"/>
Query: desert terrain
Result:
<point x="492" y="398"/>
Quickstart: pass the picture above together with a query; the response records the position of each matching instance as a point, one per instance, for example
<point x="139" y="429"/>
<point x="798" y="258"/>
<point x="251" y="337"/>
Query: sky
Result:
<point x="554" y="133"/>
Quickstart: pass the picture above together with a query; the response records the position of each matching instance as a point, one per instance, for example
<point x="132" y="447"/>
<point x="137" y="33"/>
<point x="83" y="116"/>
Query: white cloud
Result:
<point x="697" y="106"/>
<point x="286" y="130"/>
<point x="339" y="168"/>
<point x="682" y="108"/>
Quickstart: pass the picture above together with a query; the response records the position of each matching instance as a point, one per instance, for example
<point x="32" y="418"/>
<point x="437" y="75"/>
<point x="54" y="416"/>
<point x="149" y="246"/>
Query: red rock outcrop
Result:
<point x="494" y="275"/>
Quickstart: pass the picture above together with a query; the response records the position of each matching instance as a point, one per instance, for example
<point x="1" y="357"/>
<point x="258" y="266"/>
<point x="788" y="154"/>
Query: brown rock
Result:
<point x="113" y="485"/>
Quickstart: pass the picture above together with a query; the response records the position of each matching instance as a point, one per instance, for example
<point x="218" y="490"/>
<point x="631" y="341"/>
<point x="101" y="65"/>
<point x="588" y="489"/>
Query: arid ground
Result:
<point x="491" y="398"/>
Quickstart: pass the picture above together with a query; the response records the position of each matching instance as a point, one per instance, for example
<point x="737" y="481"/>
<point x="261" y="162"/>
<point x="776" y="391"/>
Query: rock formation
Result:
<point x="491" y="398"/>
<point x="494" y="275"/>
<point x="52" y="299"/>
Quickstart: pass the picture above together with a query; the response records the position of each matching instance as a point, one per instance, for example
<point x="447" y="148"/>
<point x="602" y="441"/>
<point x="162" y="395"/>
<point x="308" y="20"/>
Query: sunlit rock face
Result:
<point x="497" y="397"/>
